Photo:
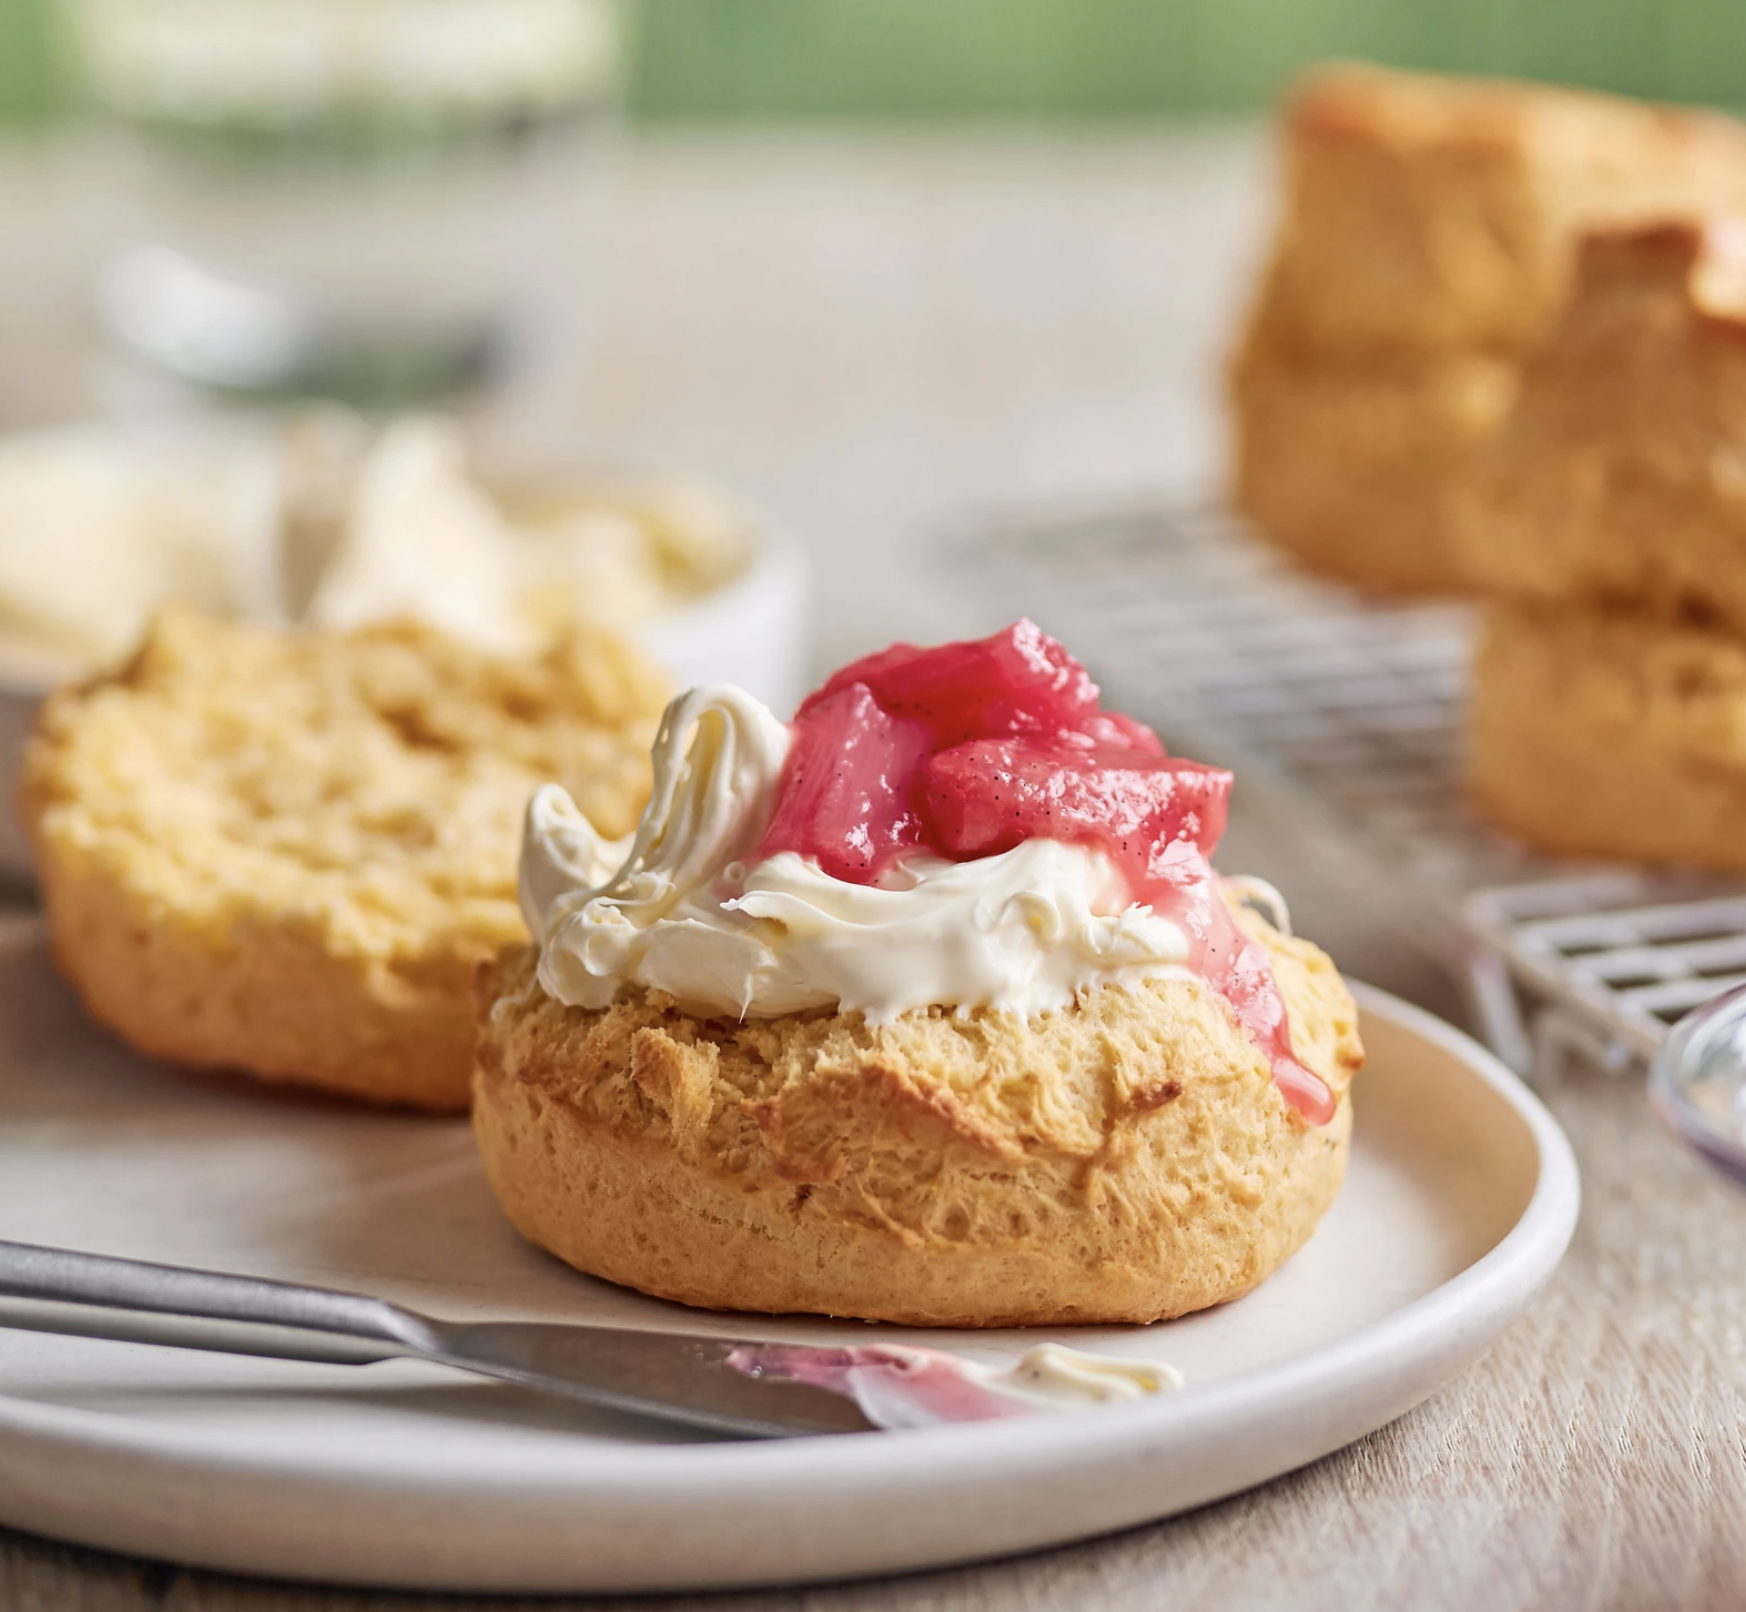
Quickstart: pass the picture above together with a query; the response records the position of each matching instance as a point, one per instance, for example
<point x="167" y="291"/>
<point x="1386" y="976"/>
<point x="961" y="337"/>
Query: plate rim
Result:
<point x="1502" y="1280"/>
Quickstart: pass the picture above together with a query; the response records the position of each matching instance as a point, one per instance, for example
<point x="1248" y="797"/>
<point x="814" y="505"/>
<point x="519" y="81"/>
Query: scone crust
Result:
<point x="1126" y="1160"/>
<point x="285" y="854"/>
<point x="1595" y="734"/>
<point x="1619" y="481"/>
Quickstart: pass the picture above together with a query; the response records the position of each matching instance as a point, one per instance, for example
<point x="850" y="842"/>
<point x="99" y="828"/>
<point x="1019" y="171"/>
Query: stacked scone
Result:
<point x="1426" y="239"/>
<point x="1609" y="517"/>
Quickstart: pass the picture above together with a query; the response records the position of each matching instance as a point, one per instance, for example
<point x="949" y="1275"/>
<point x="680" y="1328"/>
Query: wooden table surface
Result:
<point x="870" y="335"/>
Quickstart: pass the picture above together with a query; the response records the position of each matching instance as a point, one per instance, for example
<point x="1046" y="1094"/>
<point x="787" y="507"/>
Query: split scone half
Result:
<point x="285" y="853"/>
<point x="1620" y="479"/>
<point x="1425" y="242"/>
<point x="1128" y="1159"/>
<point x="1607" y="734"/>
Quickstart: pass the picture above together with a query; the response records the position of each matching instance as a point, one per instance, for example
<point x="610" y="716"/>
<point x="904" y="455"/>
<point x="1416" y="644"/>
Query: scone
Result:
<point x="1349" y="465"/>
<point x="1437" y="213"/>
<point x="1613" y="735"/>
<point x="928" y="1009"/>
<point x="1426" y="238"/>
<point x="285" y="853"/>
<point x="1620" y="480"/>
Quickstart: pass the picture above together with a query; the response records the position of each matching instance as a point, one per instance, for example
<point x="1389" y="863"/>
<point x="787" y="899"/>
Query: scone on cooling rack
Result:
<point x="1596" y="733"/>
<point x="1620" y="481"/>
<point x="285" y="853"/>
<point x="1425" y="242"/>
<point x="926" y="1009"/>
<point x="1349" y="464"/>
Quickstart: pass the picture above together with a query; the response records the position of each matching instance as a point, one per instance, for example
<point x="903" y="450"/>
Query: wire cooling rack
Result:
<point x="1354" y="707"/>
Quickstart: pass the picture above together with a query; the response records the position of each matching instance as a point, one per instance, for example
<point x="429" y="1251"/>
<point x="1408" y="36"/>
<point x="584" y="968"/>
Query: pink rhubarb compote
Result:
<point x="967" y="750"/>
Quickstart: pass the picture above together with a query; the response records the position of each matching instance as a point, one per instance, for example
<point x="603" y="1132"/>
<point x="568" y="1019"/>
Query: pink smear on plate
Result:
<point x="895" y="1386"/>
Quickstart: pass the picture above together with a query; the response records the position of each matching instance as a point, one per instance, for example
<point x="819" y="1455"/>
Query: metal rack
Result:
<point x="1355" y="707"/>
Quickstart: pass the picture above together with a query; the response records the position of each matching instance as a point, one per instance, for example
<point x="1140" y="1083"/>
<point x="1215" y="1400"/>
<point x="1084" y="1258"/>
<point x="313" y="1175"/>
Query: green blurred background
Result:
<point x="1076" y="59"/>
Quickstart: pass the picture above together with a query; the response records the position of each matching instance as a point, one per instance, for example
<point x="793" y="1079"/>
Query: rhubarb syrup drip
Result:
<point x="969" y="749"/>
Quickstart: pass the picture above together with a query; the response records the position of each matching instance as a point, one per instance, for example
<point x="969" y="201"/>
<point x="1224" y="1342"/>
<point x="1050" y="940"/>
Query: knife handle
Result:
<point x="95" y="1296"/>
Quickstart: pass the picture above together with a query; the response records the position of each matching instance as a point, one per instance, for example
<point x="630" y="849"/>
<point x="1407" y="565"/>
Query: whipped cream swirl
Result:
<point x="683" y="906"/>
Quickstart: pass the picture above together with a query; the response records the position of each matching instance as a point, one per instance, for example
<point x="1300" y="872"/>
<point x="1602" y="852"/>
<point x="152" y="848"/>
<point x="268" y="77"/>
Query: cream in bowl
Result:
<point x="332" y="523"/>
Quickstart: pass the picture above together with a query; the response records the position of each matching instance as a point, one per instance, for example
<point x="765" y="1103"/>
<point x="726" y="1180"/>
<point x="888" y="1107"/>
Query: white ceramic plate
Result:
<point x="1461" y="1198"/>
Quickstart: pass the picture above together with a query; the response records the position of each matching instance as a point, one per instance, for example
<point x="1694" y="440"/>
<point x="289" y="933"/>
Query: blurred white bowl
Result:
<point x="753" y="631"/>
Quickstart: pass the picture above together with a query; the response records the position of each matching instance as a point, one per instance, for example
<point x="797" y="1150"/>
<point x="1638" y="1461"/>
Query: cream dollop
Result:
<point x="421" y="535"/>
<point x="1051" y="1376"/>
<point x="897" y="1385"/>
<point x="681" y="907"/>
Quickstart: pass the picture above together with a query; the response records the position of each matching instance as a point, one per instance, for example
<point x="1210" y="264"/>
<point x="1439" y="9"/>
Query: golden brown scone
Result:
<point x="1430" y="212"/>
<point x="1426" y="241"/>
<point x="1611" y="735"/>
<point x="1620" y="479"/>
<point x="1349" y="465"/>
<point x="1126" y="1160"/>
<point x="285" y="853"/>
